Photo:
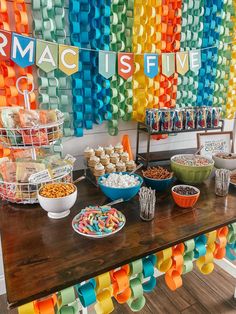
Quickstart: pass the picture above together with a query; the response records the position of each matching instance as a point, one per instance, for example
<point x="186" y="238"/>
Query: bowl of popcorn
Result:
<point x="120" y="185"/>
<point x="225" y="160"/>
<point x="158" y="178"/>
<point x="185" y="196"/>
<point x="57" y="198"/>
<point x="191" y="169"/>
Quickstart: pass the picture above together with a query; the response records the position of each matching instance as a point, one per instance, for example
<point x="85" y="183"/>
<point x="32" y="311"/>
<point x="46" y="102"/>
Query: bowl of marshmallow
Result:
<point x="118" y="185"/>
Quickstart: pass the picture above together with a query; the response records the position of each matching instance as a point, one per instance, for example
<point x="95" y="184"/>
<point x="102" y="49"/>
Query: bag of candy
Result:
<point x="178" y="120"/>
<point x="201" y="118"/>
<point x="216" y="114"/>
<point x="189" y="118"/>
<point x="167" y="120"/>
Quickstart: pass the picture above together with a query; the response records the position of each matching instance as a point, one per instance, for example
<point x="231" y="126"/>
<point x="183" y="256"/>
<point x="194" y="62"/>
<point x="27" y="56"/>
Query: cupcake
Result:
<point x="110" y="168"/>
<point x="88" y="152"/>
<point x="99" y="151"/>
<point x="105" y="160"/>
<point x="109" y="150"/>
<point x="93" y="161"/>
<point x="99" y="170"/>
<point x="130" y="165"/>
<point x="124" y="157"/>
<point x="120" y="166"/>
<point x="119" y="148"/>
<point x="114" y="158"/>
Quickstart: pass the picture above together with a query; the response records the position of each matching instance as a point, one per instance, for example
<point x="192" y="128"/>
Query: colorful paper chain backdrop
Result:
<point x="128" y="283"/>
<point x="152" y="26"/>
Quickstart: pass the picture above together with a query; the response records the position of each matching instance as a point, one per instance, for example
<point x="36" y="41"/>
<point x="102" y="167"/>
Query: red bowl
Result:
<point x="185" y="201"/>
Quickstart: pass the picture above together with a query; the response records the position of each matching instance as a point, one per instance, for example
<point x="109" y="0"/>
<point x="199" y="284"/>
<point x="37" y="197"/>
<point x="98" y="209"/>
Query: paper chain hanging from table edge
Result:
<point x="26" y="51"/>
<point x="128" y="283"/>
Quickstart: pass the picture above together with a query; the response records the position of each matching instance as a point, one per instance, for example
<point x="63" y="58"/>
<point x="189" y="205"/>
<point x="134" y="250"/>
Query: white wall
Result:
<point x="99" y="136"/>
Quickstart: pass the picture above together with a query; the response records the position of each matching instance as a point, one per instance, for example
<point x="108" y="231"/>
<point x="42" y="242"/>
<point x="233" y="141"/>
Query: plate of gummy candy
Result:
<point x="98" y="221"/>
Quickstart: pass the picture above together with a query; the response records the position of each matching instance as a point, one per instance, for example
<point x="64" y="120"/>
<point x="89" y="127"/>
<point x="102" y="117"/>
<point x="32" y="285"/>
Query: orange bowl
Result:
<point x="185" y="201"/>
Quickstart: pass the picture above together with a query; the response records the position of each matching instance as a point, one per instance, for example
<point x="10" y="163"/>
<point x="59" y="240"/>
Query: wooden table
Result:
<point x="42" y="256"/>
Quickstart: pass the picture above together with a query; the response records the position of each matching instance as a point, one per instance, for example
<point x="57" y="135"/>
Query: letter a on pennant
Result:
<point x="182" y="65"/>
<point x="23" y="50"/>
<point x="68" y="59"/>
<point x="168" y="64"/>
<point x="107" y="63"/>
<point x="5" y="45"/>
<point x="46" y="55"/>
<point x="125" y="64"/>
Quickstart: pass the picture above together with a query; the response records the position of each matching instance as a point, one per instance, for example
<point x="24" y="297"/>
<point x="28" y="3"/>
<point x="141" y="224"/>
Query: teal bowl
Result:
<point x="116" y="193"/>
<point x="158" y="185"/>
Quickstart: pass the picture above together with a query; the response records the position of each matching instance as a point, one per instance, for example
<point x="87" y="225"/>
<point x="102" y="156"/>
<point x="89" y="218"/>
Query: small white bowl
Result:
<point x="222" y="163"/>
<point x="58" y="207"/>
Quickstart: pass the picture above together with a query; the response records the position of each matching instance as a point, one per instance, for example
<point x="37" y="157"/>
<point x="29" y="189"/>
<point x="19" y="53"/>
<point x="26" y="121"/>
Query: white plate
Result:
<point x="75" y="219"/>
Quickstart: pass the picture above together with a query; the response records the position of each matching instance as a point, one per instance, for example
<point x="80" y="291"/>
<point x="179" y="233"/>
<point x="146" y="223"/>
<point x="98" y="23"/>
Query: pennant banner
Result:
<point x="125" y="64"/>
<point x="23" y="50"/>
<point x="46" y="55"/>
<point x="151" y="64"/>
<point x="168" y="64"/>
<point x="195" y="60"/>
<point x="68" y="59"/>
<point x="107" y="63"/>
<point x="182" y="62"/>
<point x="5" y="45"/>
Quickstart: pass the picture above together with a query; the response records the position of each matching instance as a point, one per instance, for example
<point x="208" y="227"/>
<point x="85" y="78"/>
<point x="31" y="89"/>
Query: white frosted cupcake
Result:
<point x="119" y="148"/>
<point x="120" y="166"/>
<point x="130" y="165"/>
<point x="99" y="151"/>
<point x="88" y="152"/>
<point x="93" y="161"/>
<point x="99" y="170"/>
<point x="114" y="158"/>
<point x="124" y="157"/>
<point x="105" y="160"/>
<point x="110" y="168"/>
<point x="109" y="150"/>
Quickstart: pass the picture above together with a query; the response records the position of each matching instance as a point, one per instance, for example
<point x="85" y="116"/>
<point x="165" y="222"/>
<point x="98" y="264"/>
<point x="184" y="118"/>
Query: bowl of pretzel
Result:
<point x="158" y="178"/>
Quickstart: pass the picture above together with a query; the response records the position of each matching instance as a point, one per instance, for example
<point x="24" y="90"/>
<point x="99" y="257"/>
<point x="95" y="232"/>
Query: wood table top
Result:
<point x="42" y="255"/>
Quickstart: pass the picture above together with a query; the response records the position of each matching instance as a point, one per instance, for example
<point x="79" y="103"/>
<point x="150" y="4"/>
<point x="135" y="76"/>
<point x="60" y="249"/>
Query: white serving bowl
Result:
<point x="58" y="207"/>
<point x="221" y="163"/>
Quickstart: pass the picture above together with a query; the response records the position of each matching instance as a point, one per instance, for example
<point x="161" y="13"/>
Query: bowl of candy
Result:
<point x="57" y="198"/>
<point x="191" y="169"/>
<point x="98" y="221"/>
<point x="158" y="178"/>
<point x="225" y="160"/>
<point x="185" y="195"/>
<point x="120" y="185"/>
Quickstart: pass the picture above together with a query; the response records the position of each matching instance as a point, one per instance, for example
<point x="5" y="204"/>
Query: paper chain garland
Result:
<point x="128" y="283"/>
<point x="153" y="26"/>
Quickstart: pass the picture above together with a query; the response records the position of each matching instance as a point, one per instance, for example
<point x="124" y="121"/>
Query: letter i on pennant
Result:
<point x="125" y="64"/>
<point x="107" y="63"/>
<point x="5" y="45"/>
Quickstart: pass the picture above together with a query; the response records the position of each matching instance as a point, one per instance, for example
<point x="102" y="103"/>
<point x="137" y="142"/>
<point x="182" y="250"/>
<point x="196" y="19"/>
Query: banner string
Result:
<point x="136" y="53"/>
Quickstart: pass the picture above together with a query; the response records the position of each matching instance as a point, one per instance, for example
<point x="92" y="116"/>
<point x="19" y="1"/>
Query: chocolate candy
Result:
<point x="185" y="190"/>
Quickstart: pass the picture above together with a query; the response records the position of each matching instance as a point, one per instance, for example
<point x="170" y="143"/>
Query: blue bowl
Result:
<point x="116" y="193"/>
<point x="158" y="185"/>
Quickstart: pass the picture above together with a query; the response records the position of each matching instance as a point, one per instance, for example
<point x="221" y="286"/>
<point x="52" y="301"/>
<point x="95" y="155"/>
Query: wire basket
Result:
<point x="26" y="193"/>
<point x="40" y="135"/>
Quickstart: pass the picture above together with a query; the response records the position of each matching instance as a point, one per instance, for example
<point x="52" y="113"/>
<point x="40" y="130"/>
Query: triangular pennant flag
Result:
<point x="168" y="64"/>
<point x="46" y="55"/>
<point x="125" y="64"/>
<point x="182" y="62"/>
<point x="5" y="45"/>
<point x="23" y="50"/>
<point x="106" y="63"/>
<point x="151" y="64"/>
<point x="68" y="59"/>
<point x="195" y="60"/>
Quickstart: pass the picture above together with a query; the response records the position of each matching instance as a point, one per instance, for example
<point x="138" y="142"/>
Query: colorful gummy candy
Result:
<point x="98" y="220"/>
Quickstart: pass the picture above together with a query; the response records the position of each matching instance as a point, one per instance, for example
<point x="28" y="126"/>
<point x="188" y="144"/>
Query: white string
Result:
<point x="139" y="53"/>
